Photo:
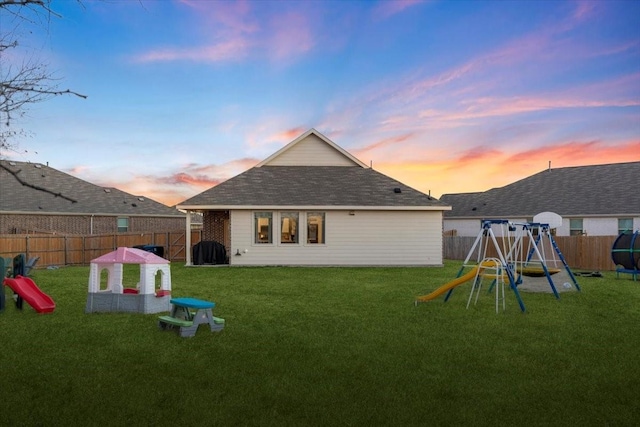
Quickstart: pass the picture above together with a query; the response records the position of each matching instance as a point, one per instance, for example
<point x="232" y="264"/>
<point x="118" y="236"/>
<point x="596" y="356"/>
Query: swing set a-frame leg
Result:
<point x="543" y="262"/>
<point x="471" y="251"/>
<point x="564" y="262"/>
<point x="512" y="284"/>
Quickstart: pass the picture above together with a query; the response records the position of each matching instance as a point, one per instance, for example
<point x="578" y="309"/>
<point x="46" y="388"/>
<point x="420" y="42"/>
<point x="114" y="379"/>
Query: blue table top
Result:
<point x="192" y="303"/>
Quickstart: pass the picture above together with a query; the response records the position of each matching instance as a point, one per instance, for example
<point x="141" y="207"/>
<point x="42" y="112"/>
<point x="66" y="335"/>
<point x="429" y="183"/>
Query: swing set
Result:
<point x="519" y="254"/>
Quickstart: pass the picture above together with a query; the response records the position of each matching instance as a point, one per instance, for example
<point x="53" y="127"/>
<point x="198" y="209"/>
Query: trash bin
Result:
<point x="154" y="249"/>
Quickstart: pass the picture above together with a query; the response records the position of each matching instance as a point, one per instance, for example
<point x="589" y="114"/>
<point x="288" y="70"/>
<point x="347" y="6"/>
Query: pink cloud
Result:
<point x="546" y="45"/>
<point x="291" y="36"/>
<point x="383" y="143"/>
<point x="500" y="107"/>
<point x="235" y="16"/>
<point x="475" y="155"/>
<point x="235" y="32"/>
<point x="386" y="9"/>
<point x="288" y="135"/>
<point x="189" y="179"/>
<point x="576" y="153"/>
<point x="227" y="50"/>
<point x="228" y="25"/>
<point x="584" y="10"/>
<point x="271" y="132"/>
<point x="210" y="175"/>
<point x="78" y="170"/>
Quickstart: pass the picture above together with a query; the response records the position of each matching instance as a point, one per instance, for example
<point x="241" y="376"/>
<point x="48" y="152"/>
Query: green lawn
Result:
<point x="326" y="346"/>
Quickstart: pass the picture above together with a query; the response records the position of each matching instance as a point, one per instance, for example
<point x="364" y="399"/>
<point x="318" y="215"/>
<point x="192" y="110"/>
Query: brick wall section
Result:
<point x="83" y="224"/>
<point x="156" y="224"/>
<point x="213" y="227"/>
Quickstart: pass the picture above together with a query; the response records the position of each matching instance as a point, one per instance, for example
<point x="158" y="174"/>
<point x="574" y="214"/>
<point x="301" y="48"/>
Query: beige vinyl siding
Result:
<point x="311" y="151"/>
<point x="471" y="227"/>
<point x="463" y="227"/>
<point x="365" y="238"/>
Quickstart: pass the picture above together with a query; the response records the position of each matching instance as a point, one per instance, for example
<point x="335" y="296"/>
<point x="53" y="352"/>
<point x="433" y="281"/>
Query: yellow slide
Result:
<point x="445" y="288"/>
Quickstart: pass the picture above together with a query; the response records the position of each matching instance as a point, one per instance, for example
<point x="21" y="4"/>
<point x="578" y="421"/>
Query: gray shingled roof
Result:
<point x="312" y="186"/>
<point x="32" y="187"/>
<point x="599" y="190"/>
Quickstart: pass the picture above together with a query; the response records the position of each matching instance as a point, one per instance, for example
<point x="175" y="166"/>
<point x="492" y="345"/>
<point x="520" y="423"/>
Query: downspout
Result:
<point x="91" y="225"/>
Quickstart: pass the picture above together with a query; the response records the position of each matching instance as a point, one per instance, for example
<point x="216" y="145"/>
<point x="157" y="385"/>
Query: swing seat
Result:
<point x="537" y="272"/>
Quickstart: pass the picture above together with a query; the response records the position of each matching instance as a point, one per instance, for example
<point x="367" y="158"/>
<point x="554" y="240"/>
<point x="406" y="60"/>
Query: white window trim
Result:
<point x="118" y="224"/>
<point x="254" y="232"/>
<point x="306" y="229"/>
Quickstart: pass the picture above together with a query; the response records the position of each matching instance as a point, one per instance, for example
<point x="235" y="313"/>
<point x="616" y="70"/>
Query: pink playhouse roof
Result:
<point x="129" y="256"/>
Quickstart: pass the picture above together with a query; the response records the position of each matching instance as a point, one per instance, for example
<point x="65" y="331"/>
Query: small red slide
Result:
<point x="31" y="293"/>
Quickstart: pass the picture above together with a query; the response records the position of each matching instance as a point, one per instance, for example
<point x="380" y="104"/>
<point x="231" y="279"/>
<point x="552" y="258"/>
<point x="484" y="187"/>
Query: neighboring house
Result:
<point x="598" y="200"/>
<point x="36" y="198"/>
<point x="313" y="203"/>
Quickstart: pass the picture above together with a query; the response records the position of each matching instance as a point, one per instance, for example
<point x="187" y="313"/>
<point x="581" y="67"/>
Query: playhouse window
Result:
<point x="123" y="225"/>
<point x="625" y="224"/>
<point x="575" y="227"/>
<point x="263" y="227"/>
<point x="289" y="227"/>
<point x="315" y="227"/>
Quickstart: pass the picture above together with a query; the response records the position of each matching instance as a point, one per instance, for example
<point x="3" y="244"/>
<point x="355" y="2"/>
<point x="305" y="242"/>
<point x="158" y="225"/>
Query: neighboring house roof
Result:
<point x="598" y="190"/>
<point x="275" y="182"/>
<point x="36" y="188"/>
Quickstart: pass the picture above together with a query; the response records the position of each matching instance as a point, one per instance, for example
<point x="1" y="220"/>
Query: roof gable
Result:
<point x="311" y="149"/>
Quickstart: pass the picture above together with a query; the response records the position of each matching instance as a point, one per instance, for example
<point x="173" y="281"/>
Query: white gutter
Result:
<point x="312" y="208"/>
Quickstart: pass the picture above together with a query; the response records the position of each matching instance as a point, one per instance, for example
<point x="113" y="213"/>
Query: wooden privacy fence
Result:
<point x="580" y="252"/>
<point x="59" y="250"/>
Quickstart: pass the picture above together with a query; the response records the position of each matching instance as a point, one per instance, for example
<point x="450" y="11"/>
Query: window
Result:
<point x="625" y="224"/>
<point x="575" y="227"/>
<point x="315" y="227"/>
<point x="263" y="221"/>
<point x="123" y="225"/>
<point x="289" y="227"/>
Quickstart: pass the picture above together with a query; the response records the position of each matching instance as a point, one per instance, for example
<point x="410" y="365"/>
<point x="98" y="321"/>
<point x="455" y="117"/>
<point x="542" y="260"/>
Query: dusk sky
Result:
<point x="445" y="96"/>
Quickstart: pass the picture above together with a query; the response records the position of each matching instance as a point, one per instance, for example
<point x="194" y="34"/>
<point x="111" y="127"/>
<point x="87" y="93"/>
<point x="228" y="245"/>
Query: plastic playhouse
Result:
<point x="112" y="296"/>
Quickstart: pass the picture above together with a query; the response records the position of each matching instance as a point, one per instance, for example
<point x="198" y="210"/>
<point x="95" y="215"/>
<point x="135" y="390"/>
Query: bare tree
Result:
<point x="24" y="79"/>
